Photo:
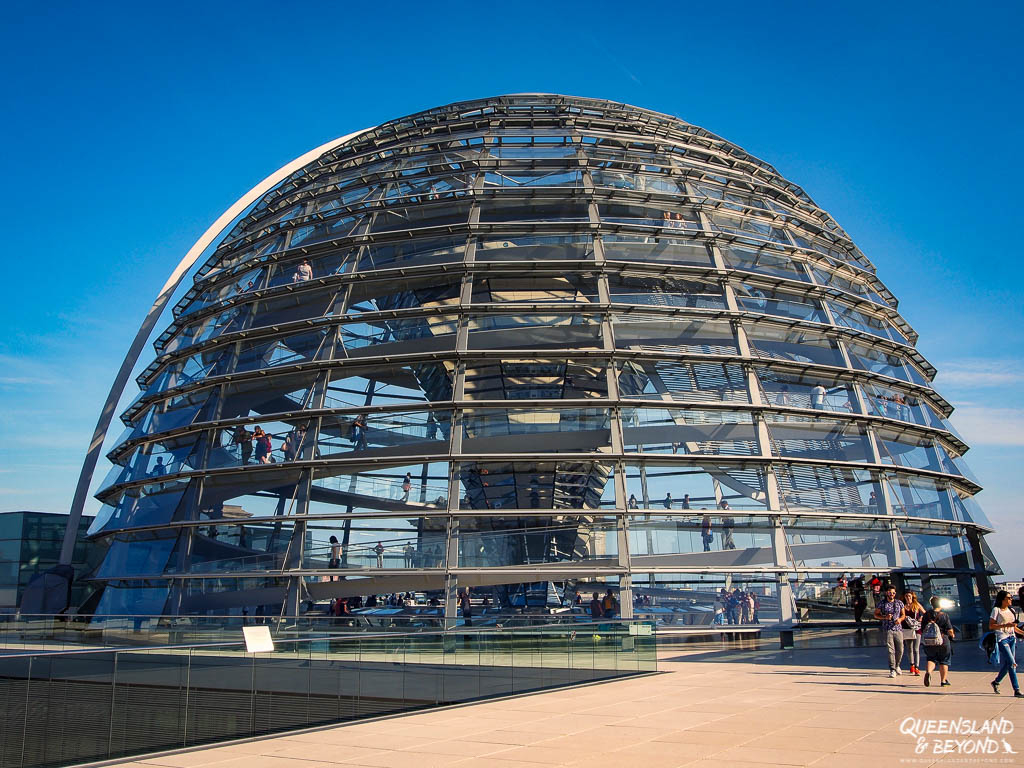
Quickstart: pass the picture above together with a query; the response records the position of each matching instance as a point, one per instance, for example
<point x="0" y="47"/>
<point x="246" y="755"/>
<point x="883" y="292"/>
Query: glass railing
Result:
<point x="111" y="703"/>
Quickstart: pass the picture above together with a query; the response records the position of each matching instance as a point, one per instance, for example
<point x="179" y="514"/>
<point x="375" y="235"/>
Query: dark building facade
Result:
<point x="537" y="340"/>
<point x="30" y="544"/>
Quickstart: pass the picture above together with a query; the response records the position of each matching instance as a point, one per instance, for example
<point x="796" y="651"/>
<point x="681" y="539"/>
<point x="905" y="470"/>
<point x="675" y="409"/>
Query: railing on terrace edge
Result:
<point x="48" y="633"/>
<point x="38" y="633"/>
<point x="63" y="708"/>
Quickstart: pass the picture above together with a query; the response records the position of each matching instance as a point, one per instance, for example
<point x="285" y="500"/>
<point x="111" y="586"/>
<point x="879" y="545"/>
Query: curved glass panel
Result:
<point x="683" y="381"/>
<point x="521" y="247"/>
<point x="768" y="301"/>
<point x="656" y="333"/>
<point x="794" y="345"/>
<point x="670" y="430"/>
<point x="665" y="292"/>
<point x="817" y="392"/>
<point x="662" y="249"/>
<point x="764" y="261"/>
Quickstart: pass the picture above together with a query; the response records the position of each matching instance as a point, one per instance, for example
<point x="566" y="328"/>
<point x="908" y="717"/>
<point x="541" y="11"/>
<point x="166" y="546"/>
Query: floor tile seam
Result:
<point x="716" y="747"/>
<point x="341" y="761"/>
<point x="506" y="743"/>
<point x="171" y="765"/>
<point x="522" y="759"/>
<point x="355" y="760"/>
<point x="489" y="754"/>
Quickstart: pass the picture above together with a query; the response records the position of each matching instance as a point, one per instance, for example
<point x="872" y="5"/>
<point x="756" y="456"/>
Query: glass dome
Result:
<point x="534" y="347"/>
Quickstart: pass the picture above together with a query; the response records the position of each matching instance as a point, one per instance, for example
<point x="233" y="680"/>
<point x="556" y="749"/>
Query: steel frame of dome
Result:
<point x="549" y="311"/>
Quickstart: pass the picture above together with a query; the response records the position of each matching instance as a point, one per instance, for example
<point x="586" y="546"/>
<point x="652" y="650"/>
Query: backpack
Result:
<point x="988" y="645"/>
<point x="932" y="635"/>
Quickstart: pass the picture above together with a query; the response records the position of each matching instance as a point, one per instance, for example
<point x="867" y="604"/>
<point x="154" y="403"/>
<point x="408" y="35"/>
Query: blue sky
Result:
<point x="130" y="127"/>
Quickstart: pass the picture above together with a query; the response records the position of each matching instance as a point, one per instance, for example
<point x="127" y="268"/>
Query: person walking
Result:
<point x="876" y="589"/>
<point x="406" y="486"/>
<point x="858" y="599"/>
<point x="732" y="602"/>
<point x="335" y="558"/>
<point x="891" y="612"/>
<point x="936" y="634"/>
<point x="706" y="535"/>
<point x="747" y="608"/>
<point x="359" y="432"/>
<point x="379" y="552"/>
<point x="818" y="397"/>
<point x="727" y="526"/>
<point x="609" y="604"/>
<point x="842" y="591"/>
<point x="303" y="272"/>
<point x="1003" y="622"/>
<point x="243" y="439"/>
<point x="596" y="609"/>
<point x="263" y="446"/>
<point x="292" y="443"/>
<point x="911" y="631"/>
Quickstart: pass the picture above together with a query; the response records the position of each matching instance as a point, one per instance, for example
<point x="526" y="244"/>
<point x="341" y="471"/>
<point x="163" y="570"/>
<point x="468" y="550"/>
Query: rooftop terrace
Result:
<point x="834" y="708"/>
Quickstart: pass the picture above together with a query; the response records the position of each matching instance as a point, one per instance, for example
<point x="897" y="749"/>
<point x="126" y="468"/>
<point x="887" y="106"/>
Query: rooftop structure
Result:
<point x="534" y="347"/>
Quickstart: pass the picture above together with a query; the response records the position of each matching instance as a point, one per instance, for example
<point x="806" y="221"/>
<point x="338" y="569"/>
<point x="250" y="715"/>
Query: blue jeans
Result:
<point x="1006" y="649"/>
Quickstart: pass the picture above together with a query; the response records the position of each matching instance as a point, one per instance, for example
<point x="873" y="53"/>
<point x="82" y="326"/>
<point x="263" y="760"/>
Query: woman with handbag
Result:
<point x="912" y="631"/>
<point x="936" y="633"/>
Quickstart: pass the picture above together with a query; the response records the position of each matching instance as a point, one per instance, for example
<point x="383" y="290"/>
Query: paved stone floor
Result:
<point x="823" y="708"/>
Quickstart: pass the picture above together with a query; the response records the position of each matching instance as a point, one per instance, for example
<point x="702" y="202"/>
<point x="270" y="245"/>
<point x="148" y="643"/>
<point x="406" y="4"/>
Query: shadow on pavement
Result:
<point x="967" y="657"/>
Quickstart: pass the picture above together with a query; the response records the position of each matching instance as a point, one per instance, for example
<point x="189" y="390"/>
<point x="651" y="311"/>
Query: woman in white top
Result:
<point x="1003" y="622"/>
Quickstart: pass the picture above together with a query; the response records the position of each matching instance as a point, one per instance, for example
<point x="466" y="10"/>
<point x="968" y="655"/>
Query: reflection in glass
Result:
<point x="654" y="332"/>
<point x="820" y="393"/>
<point x="535" y="379"/>
<point x="666" y="247"/>
<point x="653" y="486"/>
<point x="665" y="292"/>
<point x="537" y="485"/>
<point x="683" y="381"/>
<point x="669" y="430"/>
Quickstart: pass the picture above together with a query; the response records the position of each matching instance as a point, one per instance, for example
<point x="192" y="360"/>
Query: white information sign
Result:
<point x="257" y="639"/>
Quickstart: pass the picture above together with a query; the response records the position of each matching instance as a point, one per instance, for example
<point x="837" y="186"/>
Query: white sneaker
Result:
<point x="892" y="673"/>
<point x="899" y="671"/>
